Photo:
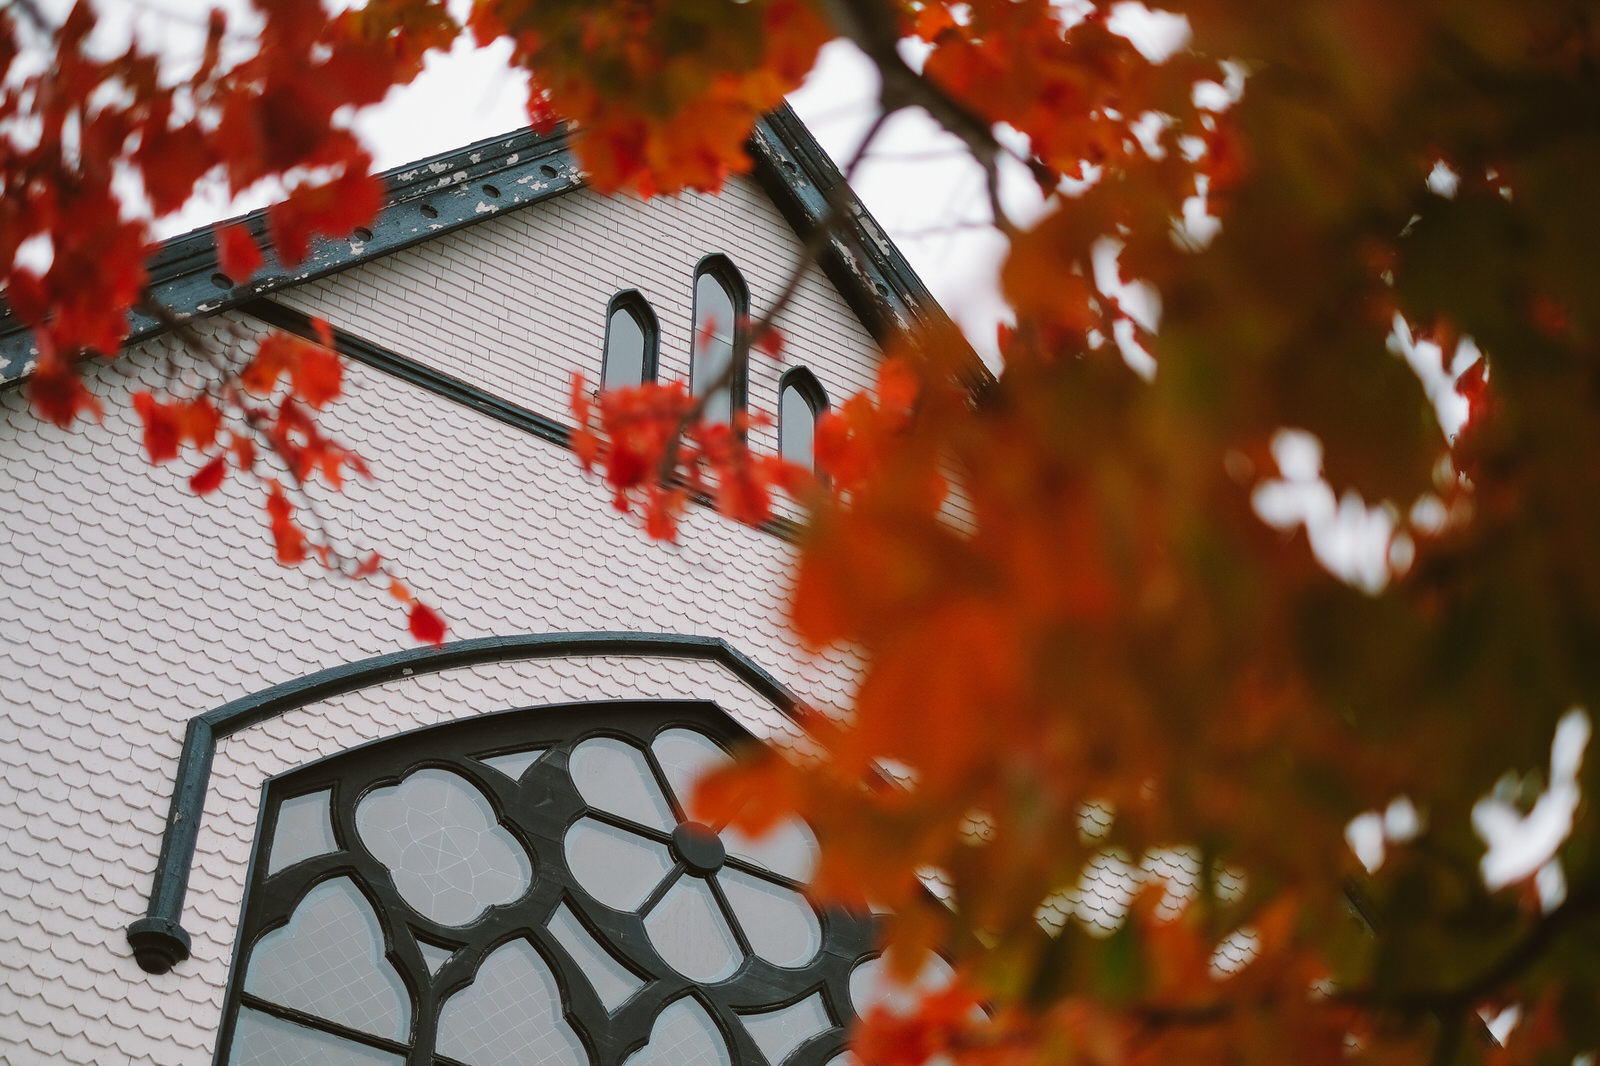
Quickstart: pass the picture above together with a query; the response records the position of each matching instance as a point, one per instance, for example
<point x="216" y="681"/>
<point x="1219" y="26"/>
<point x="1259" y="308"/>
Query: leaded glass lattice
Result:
<point x="525" y="884"/>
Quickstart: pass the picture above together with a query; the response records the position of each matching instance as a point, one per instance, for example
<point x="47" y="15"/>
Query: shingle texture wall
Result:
<point x="127" y="606"/>
<point x="522" y="303"/>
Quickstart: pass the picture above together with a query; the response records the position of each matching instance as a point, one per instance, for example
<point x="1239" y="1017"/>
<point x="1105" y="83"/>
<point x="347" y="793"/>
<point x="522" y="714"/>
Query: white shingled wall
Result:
<point x="128" y="607"/>
<point x="524" y="301"/>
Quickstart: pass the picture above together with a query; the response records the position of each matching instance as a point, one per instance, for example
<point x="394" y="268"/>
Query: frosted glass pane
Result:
<point x="449" y="857"/>
<point x="434" y="957"/>
<point x="616" y="867"/>
<point x="263" y="1040"/>
<point x="684" y="755"/>
<point x="713" y="343"/>
<point x="779" y="1032"/>
<point x="624" y="362"/>
<point x="797" y="424"/>
<point x="304" y="830"/>
<point x="871" y="985"/>
<point x="682" y="1036"/>
<point x="515" y="764"/>
<point x="615" y="777"/>
<point x="328" y="961"/>
<point x="510" y="1015"/>
<point x="788" y="850"/>
<point x="688" y="929"/>
<point x="613" y="982"/>
<point x="779" y="923"/>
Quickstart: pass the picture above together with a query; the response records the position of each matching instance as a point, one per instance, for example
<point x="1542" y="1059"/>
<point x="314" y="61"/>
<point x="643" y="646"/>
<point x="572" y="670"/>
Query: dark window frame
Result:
<point x="803" y="381"/>
<point x="721" y="268"/>
<point x="634" y="303"/>
<point x="539" y="820"/>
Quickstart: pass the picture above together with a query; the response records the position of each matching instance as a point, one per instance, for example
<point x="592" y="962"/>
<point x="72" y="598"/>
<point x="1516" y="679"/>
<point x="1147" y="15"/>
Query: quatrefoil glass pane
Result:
<point x="449" y="857"/>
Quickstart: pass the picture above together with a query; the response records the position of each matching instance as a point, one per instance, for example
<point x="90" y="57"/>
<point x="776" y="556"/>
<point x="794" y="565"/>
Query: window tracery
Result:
<point x="530" y="881"/>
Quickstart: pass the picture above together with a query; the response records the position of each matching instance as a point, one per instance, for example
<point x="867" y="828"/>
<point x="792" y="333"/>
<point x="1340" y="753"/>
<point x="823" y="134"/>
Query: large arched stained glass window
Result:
<point x="717" y="364"/>
<point x="525" y="888"/>
<point x="632" y="341"/>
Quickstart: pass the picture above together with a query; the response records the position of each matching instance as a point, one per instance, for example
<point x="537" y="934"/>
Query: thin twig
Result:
<point x="941" y="230"/>
<point x="816" y="242"/>
<point x="874" y="27"/>
<point x="225" y="393"/>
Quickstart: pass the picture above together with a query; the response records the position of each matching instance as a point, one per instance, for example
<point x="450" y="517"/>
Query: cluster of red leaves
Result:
<point x="1072" y="90"/>
<point x="270" y="116"/>
<point x="655" y="450"/>
<point x="663" y="92"/>
<point x="1059" y="648"/>
<point x="1203" y="1015"/>
<point x="269" y="407"/>
<point x="1076" y="90"/>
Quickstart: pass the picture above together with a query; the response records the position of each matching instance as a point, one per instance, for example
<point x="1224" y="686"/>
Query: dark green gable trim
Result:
<point x="866" y="267"/>
<point x="424" y="199"/>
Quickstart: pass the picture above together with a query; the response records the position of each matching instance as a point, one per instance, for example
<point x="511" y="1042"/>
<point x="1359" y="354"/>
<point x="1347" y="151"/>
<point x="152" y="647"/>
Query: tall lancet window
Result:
<point x="717" y="366"/>
<point x="800" y="402"/>
<point x="632" y="341"/>
<point x="529" y="887"/>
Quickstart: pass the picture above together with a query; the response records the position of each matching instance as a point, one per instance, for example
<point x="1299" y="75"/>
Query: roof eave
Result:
<point x="867" y="268"/>
<point x="423" y="199"/>
<point x="455" y="189"/>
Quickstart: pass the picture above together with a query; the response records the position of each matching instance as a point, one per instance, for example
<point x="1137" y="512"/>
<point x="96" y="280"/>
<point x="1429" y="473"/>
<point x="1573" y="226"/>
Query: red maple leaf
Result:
<point x="208" y="478"/>
<point x="426" y="624"/>
<point x="317" y="376"/>
<point x="238" y="256"/>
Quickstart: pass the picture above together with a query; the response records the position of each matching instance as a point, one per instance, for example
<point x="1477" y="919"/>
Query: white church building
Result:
<point x="243" y="821"/>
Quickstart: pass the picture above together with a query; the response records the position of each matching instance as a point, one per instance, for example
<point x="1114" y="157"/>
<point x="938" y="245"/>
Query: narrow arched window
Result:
<point x="632" y="339"/>
<point x="717" y="365"/>
<point x="800" y="401"/>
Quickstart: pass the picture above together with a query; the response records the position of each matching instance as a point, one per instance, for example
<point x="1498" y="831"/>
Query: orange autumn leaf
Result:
<point x="162" y="435"/>
<point x="289" y="542"/>
<point x="317" y="376"/>
<point x="238" y="256"/>
<point x="275" y="356"/>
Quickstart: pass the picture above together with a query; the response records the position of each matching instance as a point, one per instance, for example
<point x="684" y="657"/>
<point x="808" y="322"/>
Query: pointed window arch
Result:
<point x="633" y="340"/>
<point x="721" y="309"/>
<point x="801" y="401"/>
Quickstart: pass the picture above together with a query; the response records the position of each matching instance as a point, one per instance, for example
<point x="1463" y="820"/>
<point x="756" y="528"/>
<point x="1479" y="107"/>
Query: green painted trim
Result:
<point x="414" y="372"/>
<point x="159" y="941"/>
<point x="424" y="199"/>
